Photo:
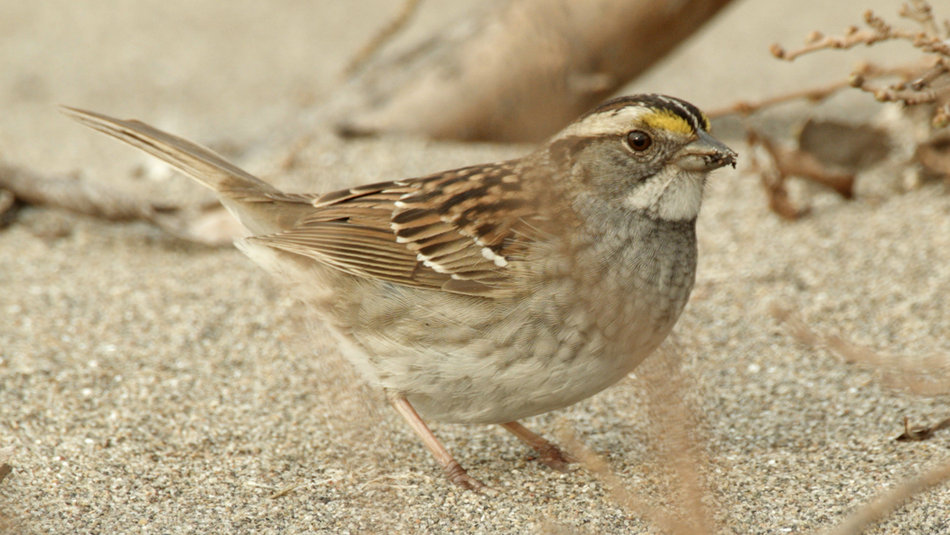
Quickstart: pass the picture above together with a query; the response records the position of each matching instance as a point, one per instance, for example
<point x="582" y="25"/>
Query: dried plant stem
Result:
<point x="7" y="200"/>
<point x="619" y="493"/>
<point x="891" y="499"/>
<point x="926" y="376"/>
<point x="862" y="76"/>
<point x="922" y="13"/>
<point x="878" y="31"/>
<point x="814" y="94"/>
<point x="631" y="501"/>
<point x="208" y="224"/>
<point x="678" y="444"/>
<point x="74" y="193"/>
<point x="787" y="163"/>
<point x="916" y="433"/>
<point x="678" y="452"/>
<point x="939" y="68"/>
<point x="379" y="40"/>
<point x="923" y="82"/>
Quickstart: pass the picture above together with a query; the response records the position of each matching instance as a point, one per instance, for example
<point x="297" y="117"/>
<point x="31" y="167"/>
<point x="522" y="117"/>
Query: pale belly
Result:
<point x="484" y="361"/>
<point x="471" y="359"/>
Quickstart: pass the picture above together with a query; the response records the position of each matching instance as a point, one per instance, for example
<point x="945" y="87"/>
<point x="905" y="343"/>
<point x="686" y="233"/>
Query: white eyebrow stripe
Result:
<point x="616" y="121"/>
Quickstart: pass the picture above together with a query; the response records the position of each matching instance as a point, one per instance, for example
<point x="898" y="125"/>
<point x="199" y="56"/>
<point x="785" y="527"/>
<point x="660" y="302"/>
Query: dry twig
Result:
<point x="6" y="457"/>
<point x="815" y="95"/>
<point x="925" y="376"/>
<point x="75" y="194"/>
<point x="923" y="81"/>
<point x="890" y="500"/>
<point x="917" y="433"/>
<point x="677" y="449"/>
<point x="208" y="224"/>
<point x="379" y="40"/>
<point x="7" y="202"/>
<point x="926" y="82"/>
<point x="785" y="163"/>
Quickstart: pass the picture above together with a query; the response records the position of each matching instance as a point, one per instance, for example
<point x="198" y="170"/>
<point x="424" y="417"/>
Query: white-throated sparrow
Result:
<point x="493" y="292"/>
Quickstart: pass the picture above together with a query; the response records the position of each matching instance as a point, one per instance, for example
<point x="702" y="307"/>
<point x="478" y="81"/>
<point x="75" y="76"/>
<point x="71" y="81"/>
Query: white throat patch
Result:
<point x="671" y="194"/>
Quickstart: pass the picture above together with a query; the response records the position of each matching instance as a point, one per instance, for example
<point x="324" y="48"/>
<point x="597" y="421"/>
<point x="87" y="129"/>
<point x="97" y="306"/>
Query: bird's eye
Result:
<point x="639" y="140"/>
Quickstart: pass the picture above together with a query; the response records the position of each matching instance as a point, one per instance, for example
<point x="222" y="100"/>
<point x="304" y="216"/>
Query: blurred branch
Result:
<point x="379" y="40"/>
<point x="518" y="73"/>
<point x="891" y="499"/>
<point x="862" y="75"/>
<point x="75" y="194"/>
<point x="814" y="94"/>
<point x="677" y="443"/>
<point x="923" y="82"/>
<point x="209" y="224"/>
<point x="917" y="433"/>
<point x="784" y="163"/>
<point x="925" y="376"/>
<point x="928" y="40"/>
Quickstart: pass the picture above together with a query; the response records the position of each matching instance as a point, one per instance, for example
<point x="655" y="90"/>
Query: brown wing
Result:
<point x="458" y="231"/>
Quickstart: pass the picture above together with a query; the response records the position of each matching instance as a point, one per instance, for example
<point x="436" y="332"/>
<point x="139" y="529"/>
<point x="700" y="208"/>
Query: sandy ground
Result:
<point x="149" y="385"/>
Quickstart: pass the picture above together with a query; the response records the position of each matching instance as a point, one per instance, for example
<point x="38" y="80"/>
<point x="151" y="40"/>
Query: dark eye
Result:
<point x="639" y="140"/>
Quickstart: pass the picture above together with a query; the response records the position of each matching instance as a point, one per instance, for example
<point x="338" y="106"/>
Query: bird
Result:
<point x="493" y="292"/>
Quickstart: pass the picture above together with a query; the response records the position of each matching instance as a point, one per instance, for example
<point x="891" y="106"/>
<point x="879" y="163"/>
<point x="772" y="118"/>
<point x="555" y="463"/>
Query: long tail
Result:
<point x="250" y="199"/>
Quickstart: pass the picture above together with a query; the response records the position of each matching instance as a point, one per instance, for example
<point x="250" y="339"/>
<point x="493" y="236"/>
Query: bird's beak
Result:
<point x="705" y="154"/>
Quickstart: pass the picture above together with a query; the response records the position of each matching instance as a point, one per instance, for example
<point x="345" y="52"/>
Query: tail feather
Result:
<point x="250" y="199"/>
<point x="199" y="162"/>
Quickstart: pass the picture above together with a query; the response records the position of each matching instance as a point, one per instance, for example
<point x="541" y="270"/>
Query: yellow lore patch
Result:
<point x="667" y="120"/>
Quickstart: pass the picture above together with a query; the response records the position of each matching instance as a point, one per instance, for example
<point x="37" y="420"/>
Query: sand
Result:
<point x="155" y="386"/>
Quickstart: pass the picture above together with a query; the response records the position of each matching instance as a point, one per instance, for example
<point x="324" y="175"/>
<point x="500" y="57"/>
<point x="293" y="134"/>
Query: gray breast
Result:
<point x="636" y="273"/>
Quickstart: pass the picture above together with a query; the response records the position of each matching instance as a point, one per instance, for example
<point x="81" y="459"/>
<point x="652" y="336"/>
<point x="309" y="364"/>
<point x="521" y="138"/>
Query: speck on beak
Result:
<point x="705" y="154"/>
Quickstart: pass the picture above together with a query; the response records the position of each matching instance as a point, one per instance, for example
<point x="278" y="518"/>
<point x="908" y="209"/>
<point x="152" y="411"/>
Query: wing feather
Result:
<point x="454" y="231"/>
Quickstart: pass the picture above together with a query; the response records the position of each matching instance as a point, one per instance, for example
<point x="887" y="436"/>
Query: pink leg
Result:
<point x="549" y="454"/>
<point x="453" y="470"/>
